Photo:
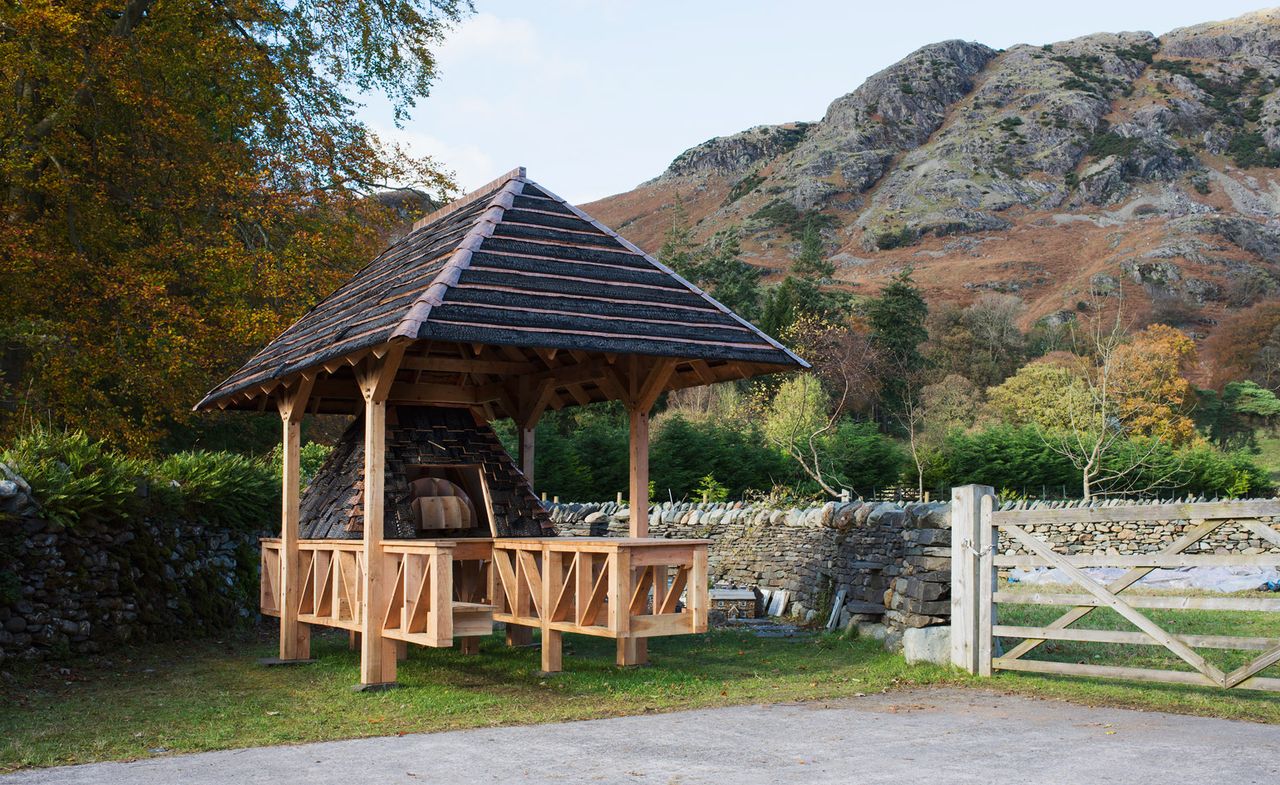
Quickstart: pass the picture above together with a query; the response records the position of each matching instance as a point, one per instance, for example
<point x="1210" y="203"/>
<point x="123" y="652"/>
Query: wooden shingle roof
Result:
<point x="512" y="264"/>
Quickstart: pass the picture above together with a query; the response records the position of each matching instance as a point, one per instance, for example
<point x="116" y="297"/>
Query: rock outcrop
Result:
<point x="1153" y="161"/>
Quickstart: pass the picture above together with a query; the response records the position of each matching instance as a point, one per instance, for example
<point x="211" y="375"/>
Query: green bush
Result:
<point x="863" y="458"/>
<point x="75" y="478"/>
<point x="1003" y="456"/>
<point x="219" y="488"/>
<point x="1020" y="460"/>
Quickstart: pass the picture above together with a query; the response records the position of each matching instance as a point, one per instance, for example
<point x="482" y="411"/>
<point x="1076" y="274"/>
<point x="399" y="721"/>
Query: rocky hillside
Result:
<point x="1113" y="164"/>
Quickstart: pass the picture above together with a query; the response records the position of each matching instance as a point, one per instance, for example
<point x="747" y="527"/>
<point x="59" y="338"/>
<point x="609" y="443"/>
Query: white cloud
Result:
<point x="472" y="166"/>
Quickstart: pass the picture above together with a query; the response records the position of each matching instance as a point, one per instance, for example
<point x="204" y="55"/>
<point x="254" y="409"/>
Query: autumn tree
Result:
<point x="180" y="180"/>
<point x="1246" y="345"/>
<point x="1148" y="381"/>
<point x="806" y="411"/>
<point x="981" y="341"/>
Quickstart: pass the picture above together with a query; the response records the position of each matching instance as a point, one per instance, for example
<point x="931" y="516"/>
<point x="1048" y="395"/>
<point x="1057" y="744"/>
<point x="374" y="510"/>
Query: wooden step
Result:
<point x="472" y="619"/>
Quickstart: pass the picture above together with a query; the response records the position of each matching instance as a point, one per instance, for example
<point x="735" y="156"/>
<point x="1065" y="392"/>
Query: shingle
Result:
<point x="552" y="278"/>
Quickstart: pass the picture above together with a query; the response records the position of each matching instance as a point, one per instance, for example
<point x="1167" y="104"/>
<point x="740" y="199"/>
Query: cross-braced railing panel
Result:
<point x="423" y="575"/>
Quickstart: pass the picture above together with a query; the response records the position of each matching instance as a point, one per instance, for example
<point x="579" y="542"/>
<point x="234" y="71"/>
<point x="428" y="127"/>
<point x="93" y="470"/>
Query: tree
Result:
<point x="1152" y="394"/>
<point x="1246" y="345"/>
<point x="796" y="422"/>
<point x="801" y="294"/>
<point x="1233" y="417"/>
<point x="721" y="272"/>
<point x="183" y="179"/>
<point x="896" y="318"/>
<point x="981" y="341"/>
<point x="1096" y="436"/>
<point x="679" y="251"/>
<point x="1049" y="393"/>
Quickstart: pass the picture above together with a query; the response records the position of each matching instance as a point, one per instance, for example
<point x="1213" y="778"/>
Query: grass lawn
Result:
<point x="206" y="695"/>
<point x="190" y="696"/>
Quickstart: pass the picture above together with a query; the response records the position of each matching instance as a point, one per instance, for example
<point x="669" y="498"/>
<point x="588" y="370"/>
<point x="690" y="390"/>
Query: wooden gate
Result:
<point x="977" y="529"/>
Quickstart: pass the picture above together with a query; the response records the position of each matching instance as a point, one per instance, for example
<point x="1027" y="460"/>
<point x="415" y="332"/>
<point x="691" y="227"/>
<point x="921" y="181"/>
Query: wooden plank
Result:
<point x="562" y="607"/>
<point x="440" y="621"/>
<point x="1263" y="530"/>
<point x="1271" y="657"/>
<point x="590" y="610"/>
<point x="1134" y="638"/>
<point x="1143" y="601"/>
<point x="642" y="582"/>
<point x="1116" y="604"/>
<point x="678" y="583"/>
<point x="529" y="571"/>
<point x="1153" y="560"/>
<point x="644" y="556"/>
<point x="652" y="625"/>
<point x="638" y="523"/>
<point x="553" y="578"/>
<point x="965" y="519"/>
<point x="1134" y="674"/>
<point x="1197" y="531"/>
<point x="1141" y="512"/>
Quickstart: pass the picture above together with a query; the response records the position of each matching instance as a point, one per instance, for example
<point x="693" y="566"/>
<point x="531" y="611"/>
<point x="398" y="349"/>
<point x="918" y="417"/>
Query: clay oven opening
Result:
<point x="448" y="498"/>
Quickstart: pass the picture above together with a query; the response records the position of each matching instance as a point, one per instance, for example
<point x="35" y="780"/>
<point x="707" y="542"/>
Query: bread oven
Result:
<point x="447" y="476"/>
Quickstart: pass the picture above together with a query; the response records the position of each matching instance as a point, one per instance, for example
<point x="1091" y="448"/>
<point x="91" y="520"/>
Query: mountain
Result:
<point x="1116" y="164"/>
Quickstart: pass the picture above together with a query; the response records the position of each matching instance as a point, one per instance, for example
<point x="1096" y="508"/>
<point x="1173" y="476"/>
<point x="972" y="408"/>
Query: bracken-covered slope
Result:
<point x="1114" y="164"/>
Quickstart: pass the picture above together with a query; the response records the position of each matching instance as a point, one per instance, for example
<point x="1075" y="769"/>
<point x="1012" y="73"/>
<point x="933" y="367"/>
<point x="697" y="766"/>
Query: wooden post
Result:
<point x="966" y="541"/>
<point x="526" y="435"/>
<point x="377" y="654"/>
<point x="986" y="566"/>
<point x="638" y="525"/>
<point x="552" y="640"/>
<point x="295" y="638"/>
<point x="643" y="390"/>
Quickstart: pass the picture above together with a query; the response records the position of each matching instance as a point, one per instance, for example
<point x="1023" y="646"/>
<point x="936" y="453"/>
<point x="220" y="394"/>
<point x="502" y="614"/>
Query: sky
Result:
<point x="595" y="97"/>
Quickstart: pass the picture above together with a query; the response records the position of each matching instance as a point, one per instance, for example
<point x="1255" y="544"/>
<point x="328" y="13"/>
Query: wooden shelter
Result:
<point x="505" y="303"/>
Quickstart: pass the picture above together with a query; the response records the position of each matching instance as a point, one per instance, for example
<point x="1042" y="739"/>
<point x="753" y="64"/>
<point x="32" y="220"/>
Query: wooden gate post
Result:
<point x="966" y="543"/>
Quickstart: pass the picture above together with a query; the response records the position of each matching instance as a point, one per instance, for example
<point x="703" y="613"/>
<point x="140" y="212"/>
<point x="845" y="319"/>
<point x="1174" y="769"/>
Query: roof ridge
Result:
<point x="468" y="198"/>
<point x="651" y="260"/>
<point x="481" y="230"/>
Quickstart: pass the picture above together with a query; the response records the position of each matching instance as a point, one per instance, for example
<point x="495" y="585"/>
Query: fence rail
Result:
<point x="977" y="528"/>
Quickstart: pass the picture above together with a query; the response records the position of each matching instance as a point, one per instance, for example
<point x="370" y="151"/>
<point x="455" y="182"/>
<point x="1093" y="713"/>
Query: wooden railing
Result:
<point x="623" y="588"/>
<point x="614" y="587"/>
<point x="425" y="575"/>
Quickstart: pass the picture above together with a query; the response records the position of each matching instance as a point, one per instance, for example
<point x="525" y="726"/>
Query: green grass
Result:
<point x="1269" y="455"/>
<point x="192" y="696"/>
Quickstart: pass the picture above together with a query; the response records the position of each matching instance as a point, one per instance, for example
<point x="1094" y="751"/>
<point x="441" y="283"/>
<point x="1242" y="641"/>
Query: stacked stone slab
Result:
<point x="920" y="596"/>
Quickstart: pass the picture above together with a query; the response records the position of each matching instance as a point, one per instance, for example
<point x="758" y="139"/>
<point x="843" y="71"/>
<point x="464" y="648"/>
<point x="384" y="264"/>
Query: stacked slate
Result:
<point x="332" y="505"/>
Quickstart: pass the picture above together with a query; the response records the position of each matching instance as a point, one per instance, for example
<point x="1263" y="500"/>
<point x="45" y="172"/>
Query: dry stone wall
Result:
<point x="891" y="560"/>
<point x="86" y="588"/>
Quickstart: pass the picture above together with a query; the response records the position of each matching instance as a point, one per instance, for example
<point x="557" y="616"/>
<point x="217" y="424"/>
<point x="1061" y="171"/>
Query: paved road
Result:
<point x="938" y="736"/>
